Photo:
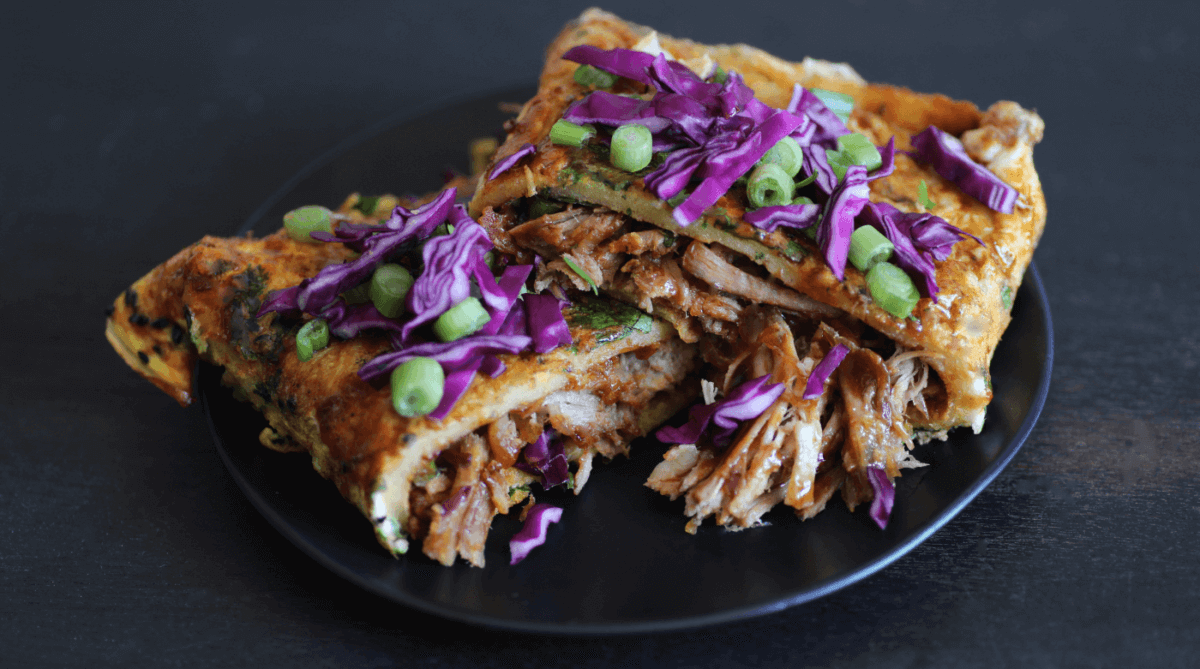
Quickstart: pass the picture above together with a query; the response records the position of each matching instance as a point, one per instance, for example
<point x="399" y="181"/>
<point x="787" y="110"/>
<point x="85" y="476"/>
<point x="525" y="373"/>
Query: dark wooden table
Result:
<point x="129" y="132"/>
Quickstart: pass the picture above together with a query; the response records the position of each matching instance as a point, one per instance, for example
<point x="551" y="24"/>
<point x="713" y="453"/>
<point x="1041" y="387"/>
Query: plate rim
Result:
<point x="1002" y="459"/>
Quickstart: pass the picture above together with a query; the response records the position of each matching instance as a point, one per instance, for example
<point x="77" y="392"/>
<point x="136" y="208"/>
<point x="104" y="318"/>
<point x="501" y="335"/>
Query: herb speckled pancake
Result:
<point x="956" y="334"/>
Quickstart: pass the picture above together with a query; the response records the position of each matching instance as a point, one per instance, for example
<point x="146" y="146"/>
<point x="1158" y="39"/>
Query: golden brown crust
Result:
<point x="958" y="331"/>
<point x="210" y="294"/>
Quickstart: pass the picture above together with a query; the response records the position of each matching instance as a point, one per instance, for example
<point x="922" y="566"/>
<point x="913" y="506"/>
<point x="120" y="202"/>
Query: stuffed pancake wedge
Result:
<point x="435" y="482"/>
<point x="767" y="286"/>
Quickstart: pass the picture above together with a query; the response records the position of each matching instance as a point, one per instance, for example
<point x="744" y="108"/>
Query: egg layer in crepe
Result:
<point x="438" y="483"/>
<point x="768" y="302"/>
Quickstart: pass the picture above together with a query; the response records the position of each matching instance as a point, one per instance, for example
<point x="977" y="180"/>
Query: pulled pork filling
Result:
<point x="799" y="452"/>
<point x="478" y="476"/>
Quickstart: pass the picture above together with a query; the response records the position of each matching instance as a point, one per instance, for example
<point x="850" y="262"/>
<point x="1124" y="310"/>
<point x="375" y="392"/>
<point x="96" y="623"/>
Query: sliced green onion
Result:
<point x="837" y="162"/>
<point x="582" y="274"/>
<point x="586" y="75"/>
<point x="923" y="196"/>
<point x="358" y="294"/>
<point x="769" y="185"/>
<point x="807" y="180"/>
<point x="803" y="200"/>
<point x="1006" y="297"/>
<point x="868" y="246"/>
<point x="417" y="387"/>
<point x="838" y="103"/>
<point x="312" y="218"/>
<point x="565" y="133"/>
<point x="787" y="154"/>
<point x="389" y="285"/>
<point x="313" y="336"/>
<point x="462" y="319"/>
<point x="892" y="289"/>
<point x="631" y="147"/>
<point x="719" y="75"/>
<point x="858" y="150"/>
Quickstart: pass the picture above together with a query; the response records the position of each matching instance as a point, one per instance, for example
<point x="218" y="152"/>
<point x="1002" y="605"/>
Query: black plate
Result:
<point x="619" y="561"/>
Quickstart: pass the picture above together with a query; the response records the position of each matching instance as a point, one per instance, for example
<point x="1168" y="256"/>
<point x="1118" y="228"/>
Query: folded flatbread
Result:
<point x="438" y="483"/>
<point x="767" y="302"/>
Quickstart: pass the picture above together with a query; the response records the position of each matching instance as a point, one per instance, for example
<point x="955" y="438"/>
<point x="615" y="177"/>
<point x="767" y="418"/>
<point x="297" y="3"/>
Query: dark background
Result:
<point x="130" y="130"/>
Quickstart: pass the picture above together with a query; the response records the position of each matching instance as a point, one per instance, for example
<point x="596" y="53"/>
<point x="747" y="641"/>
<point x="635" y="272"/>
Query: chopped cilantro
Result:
<point x="612" y="320"/>
<point x="923" y="196"/>
<point x="582" y="274"/>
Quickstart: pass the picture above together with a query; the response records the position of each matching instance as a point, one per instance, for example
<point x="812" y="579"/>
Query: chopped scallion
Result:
<point x="565" y="133"/>
<point x="892" y="289"/>
<point x="868" y="246"/>
<point x="312" y="218"/>
<point x="923" y="196"/>
<point x="462" y="319"/>
<point x="858" y="150"/>
<point x="312" y="337"/>
<point x="837" y="162"/>
<point x="787" y="154"/>
<point x="417" y="387"/>
<point x="631" y="148"/>
<point x="838" y="103"/>
<point x="389" y="285"/>
<point x="586" y="75"/>
<point x="769" y="185"/>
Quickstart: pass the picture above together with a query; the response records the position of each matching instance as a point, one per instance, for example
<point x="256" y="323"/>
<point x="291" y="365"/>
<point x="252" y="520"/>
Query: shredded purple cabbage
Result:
<point x="788" y="215"/>
<point x="314" y="295"/>
<point x="492" y="366"/>
<point x="837" y="222"/>
<point x="454" y="500"/>
<point x="446" y="279"/>
<point x="621" y="62"/>
<point x="918" y="238"/>
<point x="457" y="382"/>
<point x="829" y="126"/>
<point x="546" y="458"/>
<point x="533" y="534"/>
<point x="949" y="159"/>
<point x="501" y="296"/>
<point x="451" y="262"/>
<point x="346" y="321"/>
<point x="816" y="162"/>
<point x="885" y="496"/>
<point x="515" y="323"/>
<point x="821" y="373"/>
<point x="888" y="155"/>
<point x="512" y="159"/>
<point x="721" y="130"/>
<point x="451" y="355"/>
<point x="546" y="323"/>
<point x="747" y="401"/>
<point x="721" y="169"/>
